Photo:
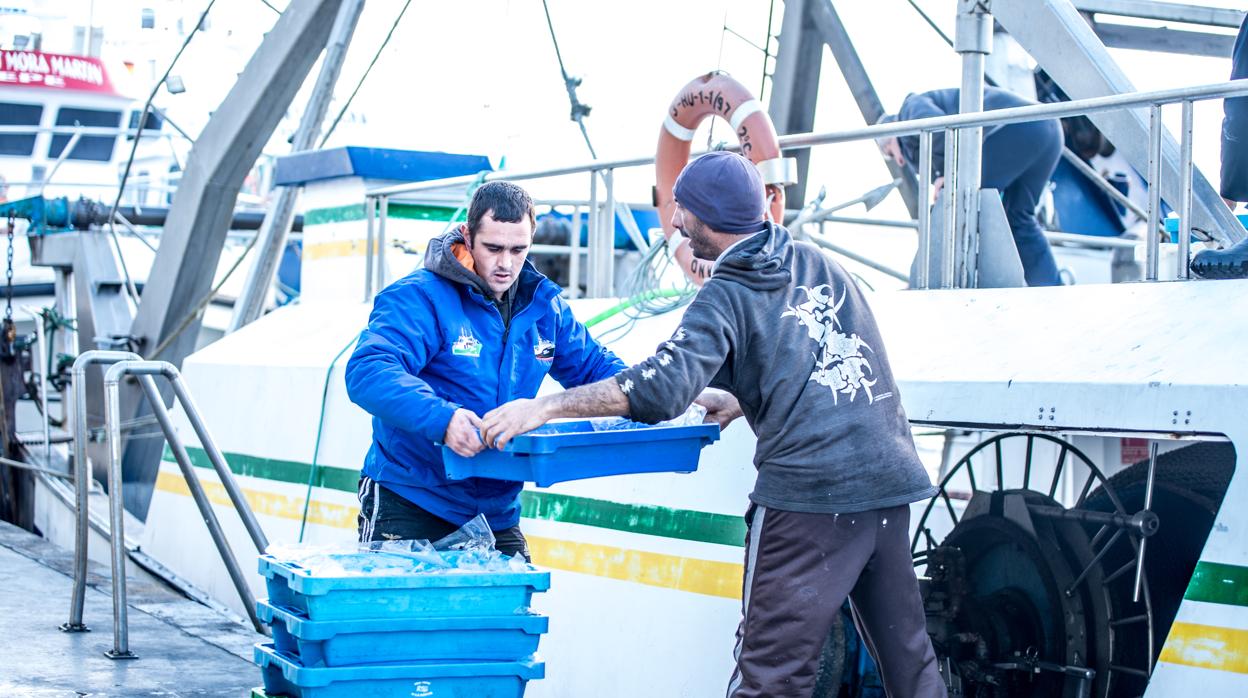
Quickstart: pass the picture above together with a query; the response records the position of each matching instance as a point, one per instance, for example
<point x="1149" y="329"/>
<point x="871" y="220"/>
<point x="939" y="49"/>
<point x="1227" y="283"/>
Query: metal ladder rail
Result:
<point x="146" y="371"/>
<point x="82" y="477"/>
<point x="126" y="363"/>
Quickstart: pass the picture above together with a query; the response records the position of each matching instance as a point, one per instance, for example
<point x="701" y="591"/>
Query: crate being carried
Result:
<point x="574" y="450"/>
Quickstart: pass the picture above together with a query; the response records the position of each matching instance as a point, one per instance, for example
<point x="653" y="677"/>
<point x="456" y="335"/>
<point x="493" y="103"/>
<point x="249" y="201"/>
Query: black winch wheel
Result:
<point x="1024" y="595"/>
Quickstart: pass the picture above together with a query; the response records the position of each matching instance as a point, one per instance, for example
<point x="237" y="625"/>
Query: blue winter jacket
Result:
<point x="436" y="342"/>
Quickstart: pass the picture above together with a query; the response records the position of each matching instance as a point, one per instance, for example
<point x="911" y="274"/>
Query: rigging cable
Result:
<point x="347" y="105"/>
<point x="762" y="83"/>
<point x="719" y="68"/>
<point x="927" y="18"/>
<point x="203" y="302"/>
<point x="138" y="136"/>
<point x="579" y="109"/>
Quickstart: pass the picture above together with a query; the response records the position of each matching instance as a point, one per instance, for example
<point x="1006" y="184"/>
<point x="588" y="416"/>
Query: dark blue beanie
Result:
<point x="724" y="190"/>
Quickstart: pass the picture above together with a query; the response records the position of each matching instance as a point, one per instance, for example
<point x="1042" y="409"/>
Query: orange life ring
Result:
<point x="714" y="94"/>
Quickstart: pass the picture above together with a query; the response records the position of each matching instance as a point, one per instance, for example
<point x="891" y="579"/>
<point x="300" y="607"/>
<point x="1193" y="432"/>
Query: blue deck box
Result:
<point x="381" y="640"/>
<point x="438" y="594"/>
<point x="284" y="675"/>
<point x="573" y="450"/>
<point x="1172" y="226"/>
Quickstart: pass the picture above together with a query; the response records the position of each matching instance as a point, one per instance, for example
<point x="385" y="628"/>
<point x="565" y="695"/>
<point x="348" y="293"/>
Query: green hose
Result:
<point x="630" y="302"/>
<point x="320" y="427"/>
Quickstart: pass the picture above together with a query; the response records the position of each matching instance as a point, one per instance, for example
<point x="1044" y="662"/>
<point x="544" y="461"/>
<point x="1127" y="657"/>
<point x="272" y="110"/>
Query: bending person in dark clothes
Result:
<point x="1232" y="263"/>
<point x="785" y="331"/>
<point x="1018" y="161"/>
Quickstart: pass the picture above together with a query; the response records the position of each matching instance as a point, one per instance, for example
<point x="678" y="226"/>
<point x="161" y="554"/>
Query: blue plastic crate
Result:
<point x="284" y="675"/>
<point x="399" y="596"/>
<point x="1172" y="225"/>
<point x="375" y="641"/>
<point x="573" y="451"/>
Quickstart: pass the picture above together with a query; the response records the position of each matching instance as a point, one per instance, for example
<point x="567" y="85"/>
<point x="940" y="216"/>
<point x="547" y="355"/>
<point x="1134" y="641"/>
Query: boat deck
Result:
<point x="184" y="648"/>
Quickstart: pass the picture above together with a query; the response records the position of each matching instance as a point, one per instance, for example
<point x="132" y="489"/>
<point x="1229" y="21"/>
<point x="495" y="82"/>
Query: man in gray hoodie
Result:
<point x="785" y="331"/>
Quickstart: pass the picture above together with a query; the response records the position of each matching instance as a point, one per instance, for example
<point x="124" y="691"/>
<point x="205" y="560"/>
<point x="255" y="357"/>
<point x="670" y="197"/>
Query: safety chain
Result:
<point x="10" y="329"/>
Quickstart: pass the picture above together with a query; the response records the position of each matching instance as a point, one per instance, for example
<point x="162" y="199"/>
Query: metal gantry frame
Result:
<point x="281" y="214"/>
<point x="951" y="126"/>
<point x="129" y="364"/>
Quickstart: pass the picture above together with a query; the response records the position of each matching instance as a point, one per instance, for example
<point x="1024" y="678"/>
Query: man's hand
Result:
<point x="721" y="408"/>
<point x="937" y="186"/>
<point x="461" y="434"/>
<point x="506" y="422"/>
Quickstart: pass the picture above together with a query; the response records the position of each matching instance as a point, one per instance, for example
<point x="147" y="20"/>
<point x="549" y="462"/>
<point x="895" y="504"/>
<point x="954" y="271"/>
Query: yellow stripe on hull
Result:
<point x="266" y="503"/>
<point x="1207" y="647"/>
<point x="652" y="569"/>
<point x="332" y="249"/>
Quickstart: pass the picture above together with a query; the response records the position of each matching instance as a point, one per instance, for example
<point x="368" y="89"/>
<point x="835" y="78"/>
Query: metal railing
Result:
<point x="601" y="237"/>
<point x="123" y="364"/>
<point x="926" y="129"/>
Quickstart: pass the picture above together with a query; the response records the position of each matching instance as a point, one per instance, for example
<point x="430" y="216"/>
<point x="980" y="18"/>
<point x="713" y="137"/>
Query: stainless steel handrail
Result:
<point x="146" y="371"/>
<point x="127" y="363"/>
<point x="82" y="476"/>
<point x="1231" y="88"/>
<point x="19" y="130"/>
<point x="959" y="246"/>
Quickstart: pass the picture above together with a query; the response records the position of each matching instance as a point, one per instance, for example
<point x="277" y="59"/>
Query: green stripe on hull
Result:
<point x="1214" y="582"/>
<point x="683" y="524"/>
<point x="355" y="212"/>
<point x="330" y="478"/>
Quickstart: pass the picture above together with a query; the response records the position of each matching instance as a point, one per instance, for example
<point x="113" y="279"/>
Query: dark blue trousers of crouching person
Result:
<point x="1018" y="161"/>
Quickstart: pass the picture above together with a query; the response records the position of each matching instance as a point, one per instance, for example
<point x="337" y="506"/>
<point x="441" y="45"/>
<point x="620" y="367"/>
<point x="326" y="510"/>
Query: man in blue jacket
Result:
<point x="1232" y="262"/>
<point x="1018" y="160"/>
<point x="476" y="327"/>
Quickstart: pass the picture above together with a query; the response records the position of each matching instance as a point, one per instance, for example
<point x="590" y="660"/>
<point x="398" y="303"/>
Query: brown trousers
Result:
<point x="798" y="570"/>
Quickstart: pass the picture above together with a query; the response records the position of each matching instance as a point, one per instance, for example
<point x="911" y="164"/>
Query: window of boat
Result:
<point x="97" y="148"/>
<point x="13" y="114"/>
<point x="155" y="121"/>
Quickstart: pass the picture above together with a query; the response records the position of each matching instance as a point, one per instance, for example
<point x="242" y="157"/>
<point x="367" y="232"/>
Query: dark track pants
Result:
<point x="798" y="570"/>
<point x="385" y="515"/>
<point x="1019" y="160"/>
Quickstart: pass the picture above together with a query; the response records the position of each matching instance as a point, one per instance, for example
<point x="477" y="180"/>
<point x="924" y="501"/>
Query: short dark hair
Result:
<point x="504" y="202"/>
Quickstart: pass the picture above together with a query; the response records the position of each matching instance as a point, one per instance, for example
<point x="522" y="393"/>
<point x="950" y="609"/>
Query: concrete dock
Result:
<point x="184" y="648"/>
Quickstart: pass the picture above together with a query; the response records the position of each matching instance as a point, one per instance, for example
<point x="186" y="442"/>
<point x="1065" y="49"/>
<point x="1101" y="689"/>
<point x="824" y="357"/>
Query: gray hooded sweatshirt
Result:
<point x="785" y="329"/>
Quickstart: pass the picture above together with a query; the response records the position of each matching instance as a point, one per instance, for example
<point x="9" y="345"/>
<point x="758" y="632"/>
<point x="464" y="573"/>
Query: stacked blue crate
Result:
<point x="450" y="634"/>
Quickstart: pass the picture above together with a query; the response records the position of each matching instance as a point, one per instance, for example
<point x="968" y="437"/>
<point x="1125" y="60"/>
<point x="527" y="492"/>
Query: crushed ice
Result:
<point x="469" y="549"/>
<point x="693" y="416"/>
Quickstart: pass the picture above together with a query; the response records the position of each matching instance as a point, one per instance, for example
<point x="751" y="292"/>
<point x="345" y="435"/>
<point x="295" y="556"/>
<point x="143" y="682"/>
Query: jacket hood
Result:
<point x="758" y="263"/>
<point x="447" y="256"/>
